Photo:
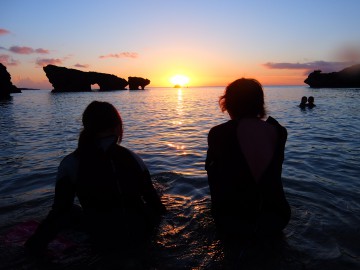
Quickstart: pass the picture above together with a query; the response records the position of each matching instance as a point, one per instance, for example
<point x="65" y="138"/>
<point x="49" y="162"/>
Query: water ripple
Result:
<point x="168" y="129"/>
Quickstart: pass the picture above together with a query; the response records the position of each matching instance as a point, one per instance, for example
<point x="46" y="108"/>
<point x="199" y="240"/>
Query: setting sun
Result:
<point x="179" y="80"/>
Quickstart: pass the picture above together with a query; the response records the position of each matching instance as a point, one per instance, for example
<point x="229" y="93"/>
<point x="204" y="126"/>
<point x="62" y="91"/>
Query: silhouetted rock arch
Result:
<point x="73" y="80"/>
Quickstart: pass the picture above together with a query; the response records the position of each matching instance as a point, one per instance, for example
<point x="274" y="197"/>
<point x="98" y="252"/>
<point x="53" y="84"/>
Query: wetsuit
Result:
<point x="240" y="205"/>
<point x="115" y="191"/>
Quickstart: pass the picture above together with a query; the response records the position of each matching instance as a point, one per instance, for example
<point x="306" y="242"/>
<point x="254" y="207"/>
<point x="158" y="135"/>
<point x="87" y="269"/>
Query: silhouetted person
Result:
<point x="120" y="206"/>
<point x="244" y="166"/>
<point x="302" y="104"/>
<point x="310" y="103"/>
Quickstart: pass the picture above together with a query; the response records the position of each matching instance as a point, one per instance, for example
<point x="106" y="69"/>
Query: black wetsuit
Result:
<point x="239" y="205"/>
<point x="115" y="191"/>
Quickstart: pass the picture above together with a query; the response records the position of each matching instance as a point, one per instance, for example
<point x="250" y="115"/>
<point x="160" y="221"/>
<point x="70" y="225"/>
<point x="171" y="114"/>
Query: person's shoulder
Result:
<point x="129" y="154"/>
<point x="122" y="150"/>
<point x="222" y="127"/>
<point x="221" y="133"/>
<point x="68" y="166"/>
<point x="276" y="124"/>
<point x="271" y="120"/>
<point x="70" y="159"/>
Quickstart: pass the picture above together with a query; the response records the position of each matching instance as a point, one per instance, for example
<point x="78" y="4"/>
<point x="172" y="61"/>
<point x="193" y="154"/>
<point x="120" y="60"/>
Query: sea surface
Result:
<point x="168" y="128"/>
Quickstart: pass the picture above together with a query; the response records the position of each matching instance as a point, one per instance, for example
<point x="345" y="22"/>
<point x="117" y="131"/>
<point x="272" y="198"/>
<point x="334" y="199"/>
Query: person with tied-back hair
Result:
<point x="244" y="166"/>
<point x="303" y="101"/>
<point x="119" y="203"/>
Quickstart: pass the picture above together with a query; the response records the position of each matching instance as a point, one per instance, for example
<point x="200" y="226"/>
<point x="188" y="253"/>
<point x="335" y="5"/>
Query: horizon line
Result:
<point x="172" y="87"/>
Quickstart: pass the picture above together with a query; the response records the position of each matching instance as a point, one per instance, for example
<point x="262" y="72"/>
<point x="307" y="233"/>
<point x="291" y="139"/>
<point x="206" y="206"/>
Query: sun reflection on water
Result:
<point x="180" y="107"/>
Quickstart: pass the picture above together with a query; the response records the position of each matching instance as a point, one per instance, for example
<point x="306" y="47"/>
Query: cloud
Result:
<point x="48" y="61"/>
<point x="21" y="50"/>
<point x="27" y="50"/>
<point x="121" y="55"/>
<point x="67" y="57"/>
<point x="4" y="31"/>
<point x="42" y="51"/>
<point x="7" y="60"/>
<point x="81" y="66"/>
<point x="310" y="66"/>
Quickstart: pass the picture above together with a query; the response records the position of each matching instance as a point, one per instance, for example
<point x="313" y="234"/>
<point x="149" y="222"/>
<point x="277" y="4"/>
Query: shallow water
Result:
<point x="168" y="129"/>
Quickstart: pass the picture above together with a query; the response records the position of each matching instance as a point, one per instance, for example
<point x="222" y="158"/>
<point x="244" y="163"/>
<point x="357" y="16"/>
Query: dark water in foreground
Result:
<point x="168" y="129"/>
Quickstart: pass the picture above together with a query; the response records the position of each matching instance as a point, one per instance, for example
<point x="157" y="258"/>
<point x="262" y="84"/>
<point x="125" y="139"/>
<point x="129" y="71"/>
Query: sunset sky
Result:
<point x="212" y="42"/>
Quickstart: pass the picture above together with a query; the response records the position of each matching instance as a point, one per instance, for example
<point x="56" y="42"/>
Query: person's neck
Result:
<point x="105" y="142"/>
<point x="255" y="118"/>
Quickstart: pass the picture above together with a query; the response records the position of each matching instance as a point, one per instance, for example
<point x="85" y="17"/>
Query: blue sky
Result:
<point x="212" y="42"/>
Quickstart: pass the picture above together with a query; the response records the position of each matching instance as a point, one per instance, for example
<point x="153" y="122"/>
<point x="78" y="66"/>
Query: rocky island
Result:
<point x="136" y="82"/>
<point x="73" y="80"/>
<point x="6" y="86"/>
<point x="346" y="78"/>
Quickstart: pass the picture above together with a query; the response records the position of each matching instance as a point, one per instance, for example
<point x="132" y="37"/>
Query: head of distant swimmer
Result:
<point x="101" y="119"/>
<point x="304" y="99"/>
<point x="243" y="98"/>
<point x="311" y="99"/>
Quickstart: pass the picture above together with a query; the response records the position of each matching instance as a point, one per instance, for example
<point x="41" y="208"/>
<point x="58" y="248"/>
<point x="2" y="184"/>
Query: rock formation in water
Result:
<point x="6" y="86"/>
<point x="346" y="78"/>
<point x="73" y="80"/>
<point x="136" y="82"/>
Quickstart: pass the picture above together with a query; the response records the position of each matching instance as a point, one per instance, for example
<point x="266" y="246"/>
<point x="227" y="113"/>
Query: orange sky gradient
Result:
<point x="211" y="42"/>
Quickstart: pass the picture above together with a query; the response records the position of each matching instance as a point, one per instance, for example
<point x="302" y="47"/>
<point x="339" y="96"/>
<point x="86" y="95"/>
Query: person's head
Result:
<point x="304" y="99"/>
<point x="311" y="99"/>
<point x="243" y="98"/>
<point x="100" y="119"/>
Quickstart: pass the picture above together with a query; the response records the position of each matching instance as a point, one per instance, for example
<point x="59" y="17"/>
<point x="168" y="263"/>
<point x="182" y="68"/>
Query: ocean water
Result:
<point x="168" y="128"/>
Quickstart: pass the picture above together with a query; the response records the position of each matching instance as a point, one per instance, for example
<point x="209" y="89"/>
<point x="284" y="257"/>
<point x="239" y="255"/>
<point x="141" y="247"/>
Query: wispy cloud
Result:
<point x="48" y="61"/>
<point x="27" y="50"/>
<point x="67" y="57"/>
<point x="81" y="66"/>
<point x="21" y="50"/>
<point x="4" y="31"/>
<point x="6" y="60"/>
<point x="41" y="51"/>
<point x="121" y="55"/>
<point x="310" y="66"/>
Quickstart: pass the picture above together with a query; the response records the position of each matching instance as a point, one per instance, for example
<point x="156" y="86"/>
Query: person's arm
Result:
<point x="149" y="193"/>
<point x="282" y="133"/>
<point x="63" y="201"/>
<point x="64" y="193"/>
<point x="210" y="167"/>
<point x="209" y="162"/>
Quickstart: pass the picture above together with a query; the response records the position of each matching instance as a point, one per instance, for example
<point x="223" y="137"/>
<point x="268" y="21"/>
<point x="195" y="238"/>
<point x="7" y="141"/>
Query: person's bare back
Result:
<point x="257" y="140"/>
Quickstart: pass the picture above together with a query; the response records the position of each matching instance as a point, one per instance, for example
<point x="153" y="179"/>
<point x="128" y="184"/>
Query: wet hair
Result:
<point x="243" y="98"/>
<point x="311" y="99"/>
<point x="98" y="116"/>
<point x="304" y="99"/>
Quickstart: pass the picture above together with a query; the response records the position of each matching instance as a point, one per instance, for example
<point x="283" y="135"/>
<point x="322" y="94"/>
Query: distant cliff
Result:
<point x="73" y="80"/>
<point x="6" y="86"/>
<point x="346" y="78"/>
<point x="136" y="82"/>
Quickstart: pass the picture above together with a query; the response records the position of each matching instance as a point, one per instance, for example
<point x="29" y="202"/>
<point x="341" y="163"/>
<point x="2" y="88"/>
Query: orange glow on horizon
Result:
<point x="166" y="76"/>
